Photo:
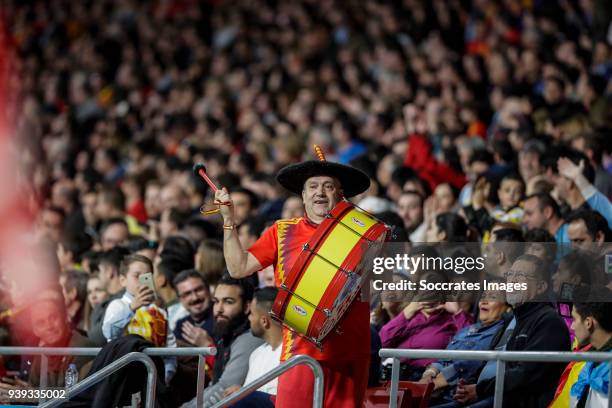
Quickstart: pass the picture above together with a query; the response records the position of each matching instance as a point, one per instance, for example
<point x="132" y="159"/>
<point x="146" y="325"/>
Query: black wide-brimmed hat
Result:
<point x="353" y="181"/>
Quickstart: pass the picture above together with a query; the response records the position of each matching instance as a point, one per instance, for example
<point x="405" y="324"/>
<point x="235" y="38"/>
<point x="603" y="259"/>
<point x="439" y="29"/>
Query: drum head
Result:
<point x="330" y="271"/>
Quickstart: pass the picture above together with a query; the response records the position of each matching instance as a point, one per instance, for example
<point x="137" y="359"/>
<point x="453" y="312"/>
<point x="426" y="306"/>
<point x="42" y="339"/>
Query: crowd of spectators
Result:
<point x="477" y="121"/>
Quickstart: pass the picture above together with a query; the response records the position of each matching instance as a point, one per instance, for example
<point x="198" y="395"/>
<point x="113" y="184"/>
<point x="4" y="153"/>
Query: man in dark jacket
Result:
<point x="194" y="330"/>
<point x="537" y="327"/>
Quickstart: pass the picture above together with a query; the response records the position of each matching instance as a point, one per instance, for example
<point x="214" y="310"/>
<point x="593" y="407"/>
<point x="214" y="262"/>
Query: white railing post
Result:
<point x="500" y="374"/>
<point x="395" y="375"/>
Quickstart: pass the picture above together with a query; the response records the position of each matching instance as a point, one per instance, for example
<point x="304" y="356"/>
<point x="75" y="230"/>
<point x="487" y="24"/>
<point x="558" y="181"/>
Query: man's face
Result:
<point x="445" y="197"/>
<point x="581" y="327"/>
<point x="552" y="92"/>
<point x="529" y="165"/>
<point x="106" y="274"/>
<point x="96" y="292"/>
<point x="49" y="324"/>
<point x="385" y="169"/>
<point x="89" y="202"/>
<point x="255" y="320"/>
<point x="510" y="193"/>
<point x="242" y="206"/>
<point x="411" y="210"/>
<point x="579" y="236"/>
<point x="173" y="196"/>
<point x="114" y="235"/>
<point x="320" y="195"/>
<point x="130" y="280"/>
<point x="194" y="296"/>
<point x="492" y="255"/>
<point x="227" y="306"/>
<point x="533" y="216"/>
<point x="524" y="272"/>
<point x="58" y="194"/>
<point x="152" y="201"/>
<point x="52" y="225"/>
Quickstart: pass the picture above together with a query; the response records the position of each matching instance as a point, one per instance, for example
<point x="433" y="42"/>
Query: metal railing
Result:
<point x="500" y="356"/>
<point x="44" y="352"/>
<point x="317" y="395"/>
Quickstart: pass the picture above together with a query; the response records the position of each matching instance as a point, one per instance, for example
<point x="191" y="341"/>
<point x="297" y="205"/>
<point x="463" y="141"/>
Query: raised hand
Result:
<point x="196" y="335"/>
<point x="569" y="169"/>
<point x="144" y="297"/>
<point x="412" y="309"/>
<point x="226" y="206"/>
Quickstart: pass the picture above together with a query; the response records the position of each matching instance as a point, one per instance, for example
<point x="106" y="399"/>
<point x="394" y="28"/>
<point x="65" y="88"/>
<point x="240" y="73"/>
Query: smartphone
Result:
<point x="146" y="279"/>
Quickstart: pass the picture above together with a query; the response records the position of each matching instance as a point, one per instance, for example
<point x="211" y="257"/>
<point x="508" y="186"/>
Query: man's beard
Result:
<point x="223" y="327"/>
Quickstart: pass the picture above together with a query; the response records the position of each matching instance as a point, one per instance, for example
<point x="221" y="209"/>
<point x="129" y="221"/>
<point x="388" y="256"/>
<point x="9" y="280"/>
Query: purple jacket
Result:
<point x="419" y="332"/>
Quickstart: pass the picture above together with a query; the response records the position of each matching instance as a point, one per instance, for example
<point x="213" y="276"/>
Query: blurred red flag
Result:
<point x="26" y="267"/>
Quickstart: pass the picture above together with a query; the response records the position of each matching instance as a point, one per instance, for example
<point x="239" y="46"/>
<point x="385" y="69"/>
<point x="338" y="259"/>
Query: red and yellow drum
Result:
<point x="329" y="272"/>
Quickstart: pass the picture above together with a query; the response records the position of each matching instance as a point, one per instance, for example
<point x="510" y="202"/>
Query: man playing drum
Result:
<point x="345" y="352"/>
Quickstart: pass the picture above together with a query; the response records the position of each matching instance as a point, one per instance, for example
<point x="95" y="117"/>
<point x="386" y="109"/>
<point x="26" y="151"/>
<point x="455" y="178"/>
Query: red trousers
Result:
<point x="345" y="383"/>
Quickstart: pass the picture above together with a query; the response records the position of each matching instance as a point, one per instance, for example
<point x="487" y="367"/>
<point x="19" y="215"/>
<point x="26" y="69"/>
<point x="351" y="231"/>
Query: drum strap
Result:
<point x="285" y="234"/>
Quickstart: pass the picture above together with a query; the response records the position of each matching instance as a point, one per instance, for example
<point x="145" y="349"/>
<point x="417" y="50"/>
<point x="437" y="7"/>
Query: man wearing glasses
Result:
<point x="536" y="327"/>
<point x="196" y="327"/>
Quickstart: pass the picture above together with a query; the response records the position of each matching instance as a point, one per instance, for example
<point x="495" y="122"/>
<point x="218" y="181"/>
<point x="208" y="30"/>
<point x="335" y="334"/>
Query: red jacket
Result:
<point x="420" y="158"/>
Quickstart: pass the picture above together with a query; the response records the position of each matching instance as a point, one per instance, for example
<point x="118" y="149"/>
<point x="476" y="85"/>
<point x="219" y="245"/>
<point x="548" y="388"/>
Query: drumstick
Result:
<point x="200" y="170"/>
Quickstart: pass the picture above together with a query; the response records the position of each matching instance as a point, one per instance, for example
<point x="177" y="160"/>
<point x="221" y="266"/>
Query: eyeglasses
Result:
<point x="519" y="274"/>
<point x="199" y="289"/>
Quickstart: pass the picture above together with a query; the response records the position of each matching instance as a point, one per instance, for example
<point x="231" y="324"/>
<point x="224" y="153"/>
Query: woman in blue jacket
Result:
<point x="446" y="373"/>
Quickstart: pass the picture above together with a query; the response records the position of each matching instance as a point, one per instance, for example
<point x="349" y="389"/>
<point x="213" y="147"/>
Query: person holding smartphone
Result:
<point x="137" y="293"/>
<point x="136" y="276"/>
